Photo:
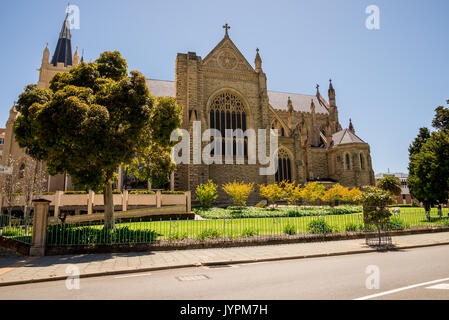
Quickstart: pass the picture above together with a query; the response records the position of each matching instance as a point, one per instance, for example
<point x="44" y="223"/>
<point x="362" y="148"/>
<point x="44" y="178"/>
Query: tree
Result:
<point x="292" y="192"/>
<point x="153" y="161"/>
<point x="207" y="193"/>
<point x="354" y="195"/>
<point x="10" y="186"/>
<point x="375" y="210"/>
<point x="272" y="192"/>
<point x="312" y="191"/>
<point x="390" y="184"/>
<point x="441" y="119"/>
<point x="239" y="191"/>
<point x="91" y="121"/>
<point x="428" y="178"/>
<point x="419" y="141"/>
<point x="334" y="194"/>
<point x="31" y="183"/>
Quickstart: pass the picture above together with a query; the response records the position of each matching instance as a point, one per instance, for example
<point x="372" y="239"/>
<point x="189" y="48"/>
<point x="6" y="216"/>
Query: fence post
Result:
<point x="188" y="201"/>
<point x="40" y="222"/>
<point x="90" y="202"/>
<point x="125" y="200"/>
<point x="58" y="195"/>
<point x="158" y="198"/>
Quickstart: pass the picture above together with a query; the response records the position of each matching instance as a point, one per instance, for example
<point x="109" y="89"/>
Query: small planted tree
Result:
<point x="238" y="191"/>
<point x="10" y="187"/>
<point x="312" y="192"/>
<point x="292" y="192"/>
<point x="272" y="192"/>
<point x="375" y="210"/>
<point x="334" y="194"/>
<point x="206" y="193"/>
<point x="391" y="184"/>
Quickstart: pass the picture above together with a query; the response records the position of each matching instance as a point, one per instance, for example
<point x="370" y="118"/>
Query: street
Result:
<point x="405" y="274"/>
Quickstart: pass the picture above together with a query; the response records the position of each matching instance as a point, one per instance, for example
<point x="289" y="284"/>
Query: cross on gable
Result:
<point x="227" y="27"/>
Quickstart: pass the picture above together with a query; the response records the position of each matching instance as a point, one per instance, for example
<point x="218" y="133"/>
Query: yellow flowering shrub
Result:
<point x="238" y="191"/>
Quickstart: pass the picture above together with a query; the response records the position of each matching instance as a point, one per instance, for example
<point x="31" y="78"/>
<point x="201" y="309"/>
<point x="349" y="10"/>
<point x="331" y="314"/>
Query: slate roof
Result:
<point x="63" y="51"/>
<point x="278" y="100"/>
<point x="345" y="137"/>
<point x="300" y="102"/>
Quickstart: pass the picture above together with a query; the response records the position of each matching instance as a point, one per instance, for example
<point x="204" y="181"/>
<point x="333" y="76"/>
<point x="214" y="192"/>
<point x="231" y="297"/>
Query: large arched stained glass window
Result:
<point x="227" y="111"/>
<point x="284" y="172"/>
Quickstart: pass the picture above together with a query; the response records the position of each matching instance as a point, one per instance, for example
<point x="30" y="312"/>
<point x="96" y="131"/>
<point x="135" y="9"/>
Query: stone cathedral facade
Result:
<point x="224" y="91"/>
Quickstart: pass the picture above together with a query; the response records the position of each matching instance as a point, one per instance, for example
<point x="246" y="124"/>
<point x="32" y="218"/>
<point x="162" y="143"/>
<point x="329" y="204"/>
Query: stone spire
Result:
<point x="45" y="55"/>
<point x="258" y="61"/>
<point x="351" y="127"/>
<point x="331" y="93"/>
<point x="76" y="58"/>
<point x="63" y="51"/>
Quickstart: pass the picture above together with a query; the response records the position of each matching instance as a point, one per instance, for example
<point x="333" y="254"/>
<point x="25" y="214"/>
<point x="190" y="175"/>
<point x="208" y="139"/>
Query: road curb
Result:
<point x="213" y="263"/>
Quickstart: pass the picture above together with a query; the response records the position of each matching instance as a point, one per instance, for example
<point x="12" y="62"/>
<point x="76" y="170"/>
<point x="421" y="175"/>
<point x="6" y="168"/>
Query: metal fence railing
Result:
<point x="16" y="228"/>
<point x="185" y="232"/>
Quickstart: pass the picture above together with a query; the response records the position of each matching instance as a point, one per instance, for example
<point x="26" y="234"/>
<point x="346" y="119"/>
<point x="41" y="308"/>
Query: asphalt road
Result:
<point x="409" y="274"/>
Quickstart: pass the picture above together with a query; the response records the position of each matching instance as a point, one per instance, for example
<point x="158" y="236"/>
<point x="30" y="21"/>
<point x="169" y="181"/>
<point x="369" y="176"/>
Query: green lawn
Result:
<point x="241" y="227"/>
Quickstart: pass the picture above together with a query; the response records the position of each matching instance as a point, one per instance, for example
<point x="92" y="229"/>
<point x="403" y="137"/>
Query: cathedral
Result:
<point x="224" y="91"/>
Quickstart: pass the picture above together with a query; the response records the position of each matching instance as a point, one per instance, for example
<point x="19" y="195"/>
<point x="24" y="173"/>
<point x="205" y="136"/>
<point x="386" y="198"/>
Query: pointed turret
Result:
<point x="76" y="58"/>
<point x="331" y="93"/>
<point x="351" y="127"/>
<point x="63" y="52"/>
<point x="45" y="55"/>
<point x="258" y="62"/>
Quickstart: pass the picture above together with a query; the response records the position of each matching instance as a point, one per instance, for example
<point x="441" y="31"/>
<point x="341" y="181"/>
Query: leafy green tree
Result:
<point x="152" y="161"/>
<point x="91" y="121"/>
<point x="419" y="141"/>
<point x="375" y="210"/>
<point x="429" y="163"/>
<point x="441" y="120"/>
<point x="390" y="184"/>
<point x="429" y="171"/>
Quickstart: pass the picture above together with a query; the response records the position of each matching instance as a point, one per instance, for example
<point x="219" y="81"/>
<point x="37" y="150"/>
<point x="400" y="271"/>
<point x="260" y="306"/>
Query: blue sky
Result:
<point x="389" y="81"/>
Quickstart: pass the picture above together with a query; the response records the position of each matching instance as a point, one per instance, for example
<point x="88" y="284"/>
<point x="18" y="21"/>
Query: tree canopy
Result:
<point x="429" y="162"/>
<point x="93" y="119"/>
<point x="390" y="184"/>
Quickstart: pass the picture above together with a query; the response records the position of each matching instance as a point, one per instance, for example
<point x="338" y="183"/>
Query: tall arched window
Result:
<point x="347" y="162"/>
<point x="362" y="162"/>
<point x="284" y="171"/>
<point x="227" y="111"/>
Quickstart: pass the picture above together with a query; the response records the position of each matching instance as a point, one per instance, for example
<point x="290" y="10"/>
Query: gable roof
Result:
<point x="227" y="43"/>
<point x="345" y="137"/>
<point x="278" y="100"/>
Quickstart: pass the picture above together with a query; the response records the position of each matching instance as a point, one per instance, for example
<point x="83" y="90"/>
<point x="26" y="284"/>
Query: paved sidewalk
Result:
<point x="18" y="270"/>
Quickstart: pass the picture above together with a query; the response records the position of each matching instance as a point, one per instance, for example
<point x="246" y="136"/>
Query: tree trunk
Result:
<point x="10" y="216"/>
<point x="440" y="212"/>
<point x="427" y="209"/>
<point x="109" y="219"/>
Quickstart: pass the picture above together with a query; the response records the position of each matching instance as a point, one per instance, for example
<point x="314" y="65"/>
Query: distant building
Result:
<point x="405" y="197"/>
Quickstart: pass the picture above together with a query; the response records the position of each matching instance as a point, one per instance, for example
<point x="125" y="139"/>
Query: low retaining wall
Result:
<point x="18" y="247"/>
<point x="244" y="242"/>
